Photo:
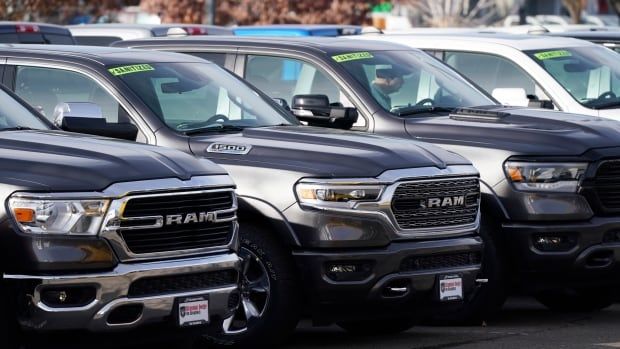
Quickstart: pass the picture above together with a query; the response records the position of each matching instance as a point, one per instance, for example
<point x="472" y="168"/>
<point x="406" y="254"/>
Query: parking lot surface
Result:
<point x="523" y="324"/>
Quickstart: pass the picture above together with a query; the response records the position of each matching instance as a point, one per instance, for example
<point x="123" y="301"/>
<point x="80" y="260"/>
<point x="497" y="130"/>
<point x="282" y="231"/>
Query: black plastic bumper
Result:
<point x="411" y="268"/>
<point x="590" y="254"/>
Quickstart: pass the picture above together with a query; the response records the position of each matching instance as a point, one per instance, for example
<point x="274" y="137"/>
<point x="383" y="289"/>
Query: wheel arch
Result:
<point x="252" y="209"/>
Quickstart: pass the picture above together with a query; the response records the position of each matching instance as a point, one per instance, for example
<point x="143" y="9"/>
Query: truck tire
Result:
<point x="491" y="296"/>
<point x="270" y="295"/>
<point x="571" y="300"/>
<point x="378" y="326"/>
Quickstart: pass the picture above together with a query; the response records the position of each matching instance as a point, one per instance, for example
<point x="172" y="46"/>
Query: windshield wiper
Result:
<point x="16" y="128"/>
<point x="215" y="128"/>
<point x="420" y="109"/>
<point x="604" y="105"/>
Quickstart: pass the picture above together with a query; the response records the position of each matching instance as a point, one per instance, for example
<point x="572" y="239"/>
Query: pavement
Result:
<point x="522" y="324"/>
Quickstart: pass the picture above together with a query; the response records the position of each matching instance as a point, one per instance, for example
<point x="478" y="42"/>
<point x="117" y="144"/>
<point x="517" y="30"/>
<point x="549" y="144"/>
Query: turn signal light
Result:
<point x="24" y="215"/>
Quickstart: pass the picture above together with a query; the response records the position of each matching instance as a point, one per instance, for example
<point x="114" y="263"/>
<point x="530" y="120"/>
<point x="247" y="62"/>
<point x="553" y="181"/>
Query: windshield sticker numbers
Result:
<point x="128" y="69"/>
<point x="552" y="54"/>
<point x="351" y="56"/>
<point x="238" y="149"/>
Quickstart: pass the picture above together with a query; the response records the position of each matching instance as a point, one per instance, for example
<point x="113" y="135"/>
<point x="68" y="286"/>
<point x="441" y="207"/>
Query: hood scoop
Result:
<point x="480" y="114"/>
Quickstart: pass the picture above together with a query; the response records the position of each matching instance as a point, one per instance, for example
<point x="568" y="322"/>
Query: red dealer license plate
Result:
<point x="192" y="311"/>
<point x="450" y="288"/>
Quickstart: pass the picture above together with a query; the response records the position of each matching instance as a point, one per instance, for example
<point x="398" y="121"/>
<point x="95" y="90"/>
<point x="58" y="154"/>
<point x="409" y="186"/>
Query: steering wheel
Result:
<point x="607" y="95"/>
<point x="426" y="101"/>
<point x="191" y="125"/>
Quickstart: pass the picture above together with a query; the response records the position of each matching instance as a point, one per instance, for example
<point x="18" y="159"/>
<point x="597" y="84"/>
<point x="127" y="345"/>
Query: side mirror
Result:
<point x="316" y="111"/>
<point x="85" y="117"/>
<point x="537" y="103"/>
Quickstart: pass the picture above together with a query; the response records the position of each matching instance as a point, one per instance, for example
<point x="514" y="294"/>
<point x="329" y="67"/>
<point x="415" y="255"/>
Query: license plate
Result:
<point x="450" y="288"/>
<point x="192" y="311"/>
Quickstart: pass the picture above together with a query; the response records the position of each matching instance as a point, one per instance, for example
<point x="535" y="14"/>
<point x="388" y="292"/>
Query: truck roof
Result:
<point x="517" y="41"/>
<point x="324" y="45"/>
<point x="96" y="54"/>
<point x="298" y="30"/>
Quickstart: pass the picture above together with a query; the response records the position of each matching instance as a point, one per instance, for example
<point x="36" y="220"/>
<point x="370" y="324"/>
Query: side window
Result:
<point x="44" y="88"/>
<point x="217" y="58"/>
<point x="492" y="72"/>
<point x="284" y="78"/>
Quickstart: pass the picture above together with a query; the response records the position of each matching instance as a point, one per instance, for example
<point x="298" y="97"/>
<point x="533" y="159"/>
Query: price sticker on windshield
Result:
<point x="552" y="54"/>
<point x="128" y="69"/>
<point x="353" y="56"/>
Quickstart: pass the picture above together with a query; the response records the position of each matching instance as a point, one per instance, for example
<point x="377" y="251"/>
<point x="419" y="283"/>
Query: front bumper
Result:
<point x="113" y="292"/>
<point x="393" y="284"/>
<point x="591" y="258"/>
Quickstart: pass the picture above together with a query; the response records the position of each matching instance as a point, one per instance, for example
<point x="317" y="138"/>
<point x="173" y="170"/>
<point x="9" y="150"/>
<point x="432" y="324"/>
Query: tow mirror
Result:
<point x="85" y="117"/>
<point x="316" y="111"/>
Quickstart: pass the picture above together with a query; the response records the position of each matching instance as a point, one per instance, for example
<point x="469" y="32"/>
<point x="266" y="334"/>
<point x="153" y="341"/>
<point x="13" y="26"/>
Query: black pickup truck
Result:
<point x="364" y="230"/>
<point x="101" y="235"/>
<point x="549" y="180"/>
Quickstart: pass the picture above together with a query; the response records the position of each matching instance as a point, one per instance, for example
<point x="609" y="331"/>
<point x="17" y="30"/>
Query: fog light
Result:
<point x="68" y="297"/>
<point x="554" y="242"/>
<point x="349" y="271"/>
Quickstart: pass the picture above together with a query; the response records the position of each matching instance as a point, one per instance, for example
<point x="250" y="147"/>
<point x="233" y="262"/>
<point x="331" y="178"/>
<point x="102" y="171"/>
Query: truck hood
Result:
<point x="324" y="152"/>
<point x="519" y="130"/>
<point x="62" y="161"/>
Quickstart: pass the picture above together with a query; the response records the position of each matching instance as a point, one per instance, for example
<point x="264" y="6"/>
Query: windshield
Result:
<point x="13" y="115"/>
<point x="190" y="97"/>
<point x="590" y="74"/>
<point x="400" y="80"/>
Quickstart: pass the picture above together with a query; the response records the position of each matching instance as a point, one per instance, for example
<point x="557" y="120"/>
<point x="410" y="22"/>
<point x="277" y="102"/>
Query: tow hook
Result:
<point x="482" y="281"/>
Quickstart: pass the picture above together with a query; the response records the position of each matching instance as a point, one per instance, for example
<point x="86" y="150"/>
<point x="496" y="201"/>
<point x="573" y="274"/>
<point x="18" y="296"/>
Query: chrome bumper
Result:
<point x="112" y="292"/>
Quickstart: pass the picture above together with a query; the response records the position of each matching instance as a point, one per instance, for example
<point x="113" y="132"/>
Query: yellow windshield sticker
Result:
<point x="351" y="56"/>
<point x="128" y="69"/>
<point x="552" y="54"/>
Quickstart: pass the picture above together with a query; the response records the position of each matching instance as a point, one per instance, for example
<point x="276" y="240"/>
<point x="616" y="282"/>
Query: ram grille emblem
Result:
<point x="446" y="201"/>
<point x="188" y="218"/>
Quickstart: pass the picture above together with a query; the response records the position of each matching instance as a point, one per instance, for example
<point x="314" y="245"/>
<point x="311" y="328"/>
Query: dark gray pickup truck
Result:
<point x="364" y="230"/>
<point x="100" y="235"/>
<point x="549" y="180"/>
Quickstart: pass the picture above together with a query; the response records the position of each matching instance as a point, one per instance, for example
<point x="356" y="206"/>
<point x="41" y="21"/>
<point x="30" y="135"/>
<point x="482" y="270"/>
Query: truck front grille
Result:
<point x="436" y="203"/>
<point x="607" y="185"/>
<point x="184" y="234"/>
<point x="181" y="283"/>
<point x="442" y="261"/>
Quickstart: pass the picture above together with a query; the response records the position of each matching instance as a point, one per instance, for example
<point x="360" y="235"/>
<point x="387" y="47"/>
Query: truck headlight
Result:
<point x="58" y="217"/>
<point x="336" y="195"/>
<point x="545" y="176"/>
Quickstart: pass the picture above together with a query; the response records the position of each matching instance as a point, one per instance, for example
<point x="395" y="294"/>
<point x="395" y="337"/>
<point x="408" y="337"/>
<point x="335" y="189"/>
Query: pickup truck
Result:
<point x="549" y="181"/>
<point x="99" y="235"/>
<point x="367" y="231"/>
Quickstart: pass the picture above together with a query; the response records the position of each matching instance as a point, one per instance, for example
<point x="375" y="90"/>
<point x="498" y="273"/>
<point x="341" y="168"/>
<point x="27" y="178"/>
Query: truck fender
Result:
<point x="490" y="203"/>
<point x="252" y="209"/>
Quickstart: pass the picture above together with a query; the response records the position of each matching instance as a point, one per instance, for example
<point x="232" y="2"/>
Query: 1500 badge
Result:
<point x="226" y="148"/>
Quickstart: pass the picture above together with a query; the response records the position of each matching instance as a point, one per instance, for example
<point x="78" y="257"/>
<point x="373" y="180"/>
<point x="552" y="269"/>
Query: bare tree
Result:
<point x="455" y="13"/>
